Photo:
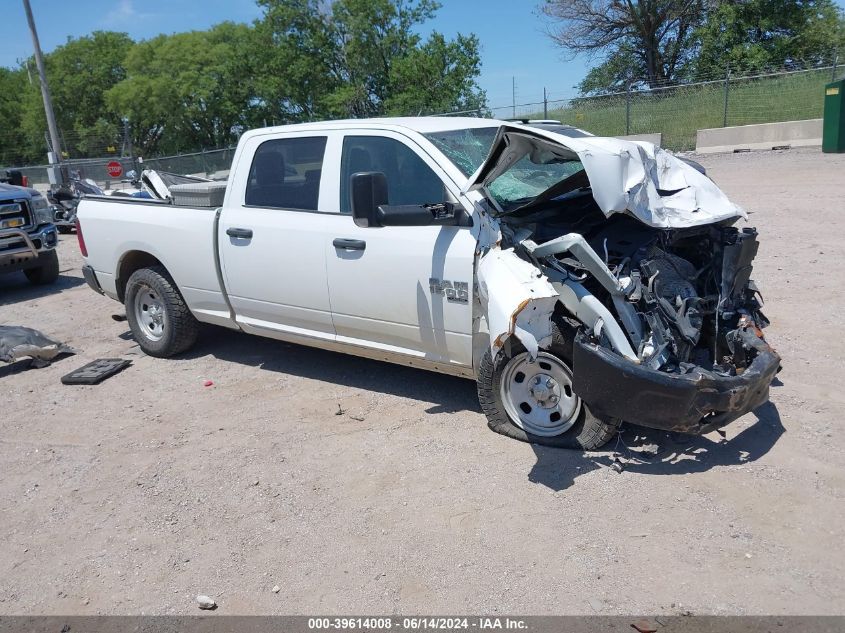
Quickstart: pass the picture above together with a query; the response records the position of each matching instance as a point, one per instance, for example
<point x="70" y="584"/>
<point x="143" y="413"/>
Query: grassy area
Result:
<point x="678" y="112"/>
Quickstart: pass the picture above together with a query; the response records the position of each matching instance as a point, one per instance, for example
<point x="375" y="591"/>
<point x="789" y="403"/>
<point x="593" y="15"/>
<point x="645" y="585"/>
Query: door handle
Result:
<point x="351" y="245"/>
<point x="245" y="234"/>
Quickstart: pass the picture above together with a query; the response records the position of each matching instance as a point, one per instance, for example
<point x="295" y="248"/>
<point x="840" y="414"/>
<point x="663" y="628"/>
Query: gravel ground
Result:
<point x="136" y="495"/>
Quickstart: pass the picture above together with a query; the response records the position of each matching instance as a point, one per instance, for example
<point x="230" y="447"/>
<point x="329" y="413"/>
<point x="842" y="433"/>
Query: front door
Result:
<point x="404" y="290"/>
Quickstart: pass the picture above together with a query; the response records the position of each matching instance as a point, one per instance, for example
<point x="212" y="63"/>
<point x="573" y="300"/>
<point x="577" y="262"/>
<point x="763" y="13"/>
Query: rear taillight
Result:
<point x="81" y="239"/>
<point x="25" y="181"/>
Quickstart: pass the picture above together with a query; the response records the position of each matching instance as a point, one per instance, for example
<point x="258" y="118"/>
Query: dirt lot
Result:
<point x="138" y="494"/>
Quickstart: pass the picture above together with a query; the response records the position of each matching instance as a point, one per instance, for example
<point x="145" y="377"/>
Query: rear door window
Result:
<point x="285" y="173"/>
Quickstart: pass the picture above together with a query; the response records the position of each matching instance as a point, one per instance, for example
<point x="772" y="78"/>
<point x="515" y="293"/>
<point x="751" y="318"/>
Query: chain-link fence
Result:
<point x="94" y="168"/>
<point x="211" y="164"/>
<point x="678" y="111"/>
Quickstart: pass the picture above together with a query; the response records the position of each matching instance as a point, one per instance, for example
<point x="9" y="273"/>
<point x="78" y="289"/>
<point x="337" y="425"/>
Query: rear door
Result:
<point x="404" y="290"/>
<point x="272" y="238"/>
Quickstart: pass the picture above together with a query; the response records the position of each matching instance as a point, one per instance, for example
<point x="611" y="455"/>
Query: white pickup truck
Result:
<point x="581" y="281"/>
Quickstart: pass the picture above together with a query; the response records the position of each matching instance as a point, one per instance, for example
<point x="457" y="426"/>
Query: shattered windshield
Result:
<point x="466" y="148"/>
<point x="520" y="184"/>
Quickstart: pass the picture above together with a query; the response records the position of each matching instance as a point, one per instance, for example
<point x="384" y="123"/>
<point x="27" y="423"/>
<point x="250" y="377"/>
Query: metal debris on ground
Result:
<point x="18" y="342"/>
<point x="96" y="371"/>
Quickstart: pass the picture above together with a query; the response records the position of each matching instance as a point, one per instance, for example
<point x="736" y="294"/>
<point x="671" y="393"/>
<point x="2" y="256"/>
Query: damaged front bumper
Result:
<point x="697" y="402"/>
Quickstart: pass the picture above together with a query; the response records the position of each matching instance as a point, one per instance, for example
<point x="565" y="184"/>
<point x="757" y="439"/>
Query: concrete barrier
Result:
<point x="656" y="139"/>
<point x="761" y="136"/>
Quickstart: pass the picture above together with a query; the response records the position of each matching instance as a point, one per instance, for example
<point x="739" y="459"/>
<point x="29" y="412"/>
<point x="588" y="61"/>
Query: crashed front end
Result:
<point x="641" y="250"/>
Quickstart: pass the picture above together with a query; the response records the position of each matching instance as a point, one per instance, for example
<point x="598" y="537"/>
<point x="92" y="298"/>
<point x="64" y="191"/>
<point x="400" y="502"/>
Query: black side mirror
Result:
<point x="369" y="192"/>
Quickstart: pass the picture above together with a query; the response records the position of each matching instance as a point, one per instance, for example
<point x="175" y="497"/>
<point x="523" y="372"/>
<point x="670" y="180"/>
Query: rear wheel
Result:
<point x="533" y="401"/>
<point x="47" y="272"/>
<point x="158" y="316"/>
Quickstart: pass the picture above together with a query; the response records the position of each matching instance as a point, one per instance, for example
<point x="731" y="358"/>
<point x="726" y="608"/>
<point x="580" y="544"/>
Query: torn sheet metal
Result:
<point x="18" y="342"/>
<point x="519" y="301"/>
<point x="637" y="178"/>
<point x="485" y="229"/>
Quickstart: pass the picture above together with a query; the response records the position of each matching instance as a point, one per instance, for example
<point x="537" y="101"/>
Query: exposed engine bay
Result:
<point x="683" y="296"/>
<point x="640" y="252"/>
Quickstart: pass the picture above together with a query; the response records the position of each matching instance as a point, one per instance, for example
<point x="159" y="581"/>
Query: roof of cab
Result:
<point x="420" y="124"/>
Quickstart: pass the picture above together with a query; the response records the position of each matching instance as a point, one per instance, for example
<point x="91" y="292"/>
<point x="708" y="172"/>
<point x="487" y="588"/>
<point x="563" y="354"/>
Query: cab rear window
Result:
<point x="285" y="173"/>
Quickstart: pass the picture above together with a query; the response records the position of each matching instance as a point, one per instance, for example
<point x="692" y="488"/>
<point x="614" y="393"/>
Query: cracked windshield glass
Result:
<point x="524" y="181"/>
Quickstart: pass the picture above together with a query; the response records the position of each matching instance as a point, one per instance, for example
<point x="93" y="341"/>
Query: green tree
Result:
<point x="438" y="76"/>
<point x="14" y="150"/>
<point x="753" y="35"/>
<point x="359" y="58"/>
<point x="79" y="73"/>
<point x="187" y="91"/>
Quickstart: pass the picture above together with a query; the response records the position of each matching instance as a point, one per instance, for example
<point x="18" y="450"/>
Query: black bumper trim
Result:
<point x="697" y="402"/>
<point x="91" y="279"/>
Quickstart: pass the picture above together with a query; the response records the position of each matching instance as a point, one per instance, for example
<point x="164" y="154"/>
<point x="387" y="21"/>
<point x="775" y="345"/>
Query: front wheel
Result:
<point x="534" y="401"/>
<point x="160" y="320"/>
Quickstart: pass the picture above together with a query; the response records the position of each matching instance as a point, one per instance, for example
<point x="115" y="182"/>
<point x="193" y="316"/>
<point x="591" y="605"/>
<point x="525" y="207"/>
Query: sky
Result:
<point x="514" y="46"/>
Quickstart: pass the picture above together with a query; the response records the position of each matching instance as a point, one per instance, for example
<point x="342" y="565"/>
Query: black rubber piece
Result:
<point x="181" y="329"/>
<point x="96" y="371"/>
<point x="47" y="272"/>
<point x="589" y="431"/>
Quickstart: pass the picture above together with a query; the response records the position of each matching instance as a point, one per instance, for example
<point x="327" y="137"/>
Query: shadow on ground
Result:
<point x="675" y="454"/>
<point x="15" y="288"/>
<point x="638" y="450"/>
<point x="447" y="394"/>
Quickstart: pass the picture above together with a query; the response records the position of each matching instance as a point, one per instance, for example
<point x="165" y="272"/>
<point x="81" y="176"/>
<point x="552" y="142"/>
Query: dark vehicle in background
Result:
<point x="28" y="236"/>
<point x="66" y="198"/>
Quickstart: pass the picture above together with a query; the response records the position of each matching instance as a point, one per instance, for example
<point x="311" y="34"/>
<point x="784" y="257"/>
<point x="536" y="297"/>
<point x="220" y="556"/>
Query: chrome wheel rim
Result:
<point x="150" y="314"/>
<point x="538" y="395"/>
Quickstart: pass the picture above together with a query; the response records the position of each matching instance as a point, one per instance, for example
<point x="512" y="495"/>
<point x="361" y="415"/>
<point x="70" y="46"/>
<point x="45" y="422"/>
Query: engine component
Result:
<point x="674" y="275"/>
<point x="739" y="250"/>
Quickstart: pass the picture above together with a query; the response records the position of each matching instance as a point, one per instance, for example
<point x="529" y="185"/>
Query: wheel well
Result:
<point x="129" y="263"/>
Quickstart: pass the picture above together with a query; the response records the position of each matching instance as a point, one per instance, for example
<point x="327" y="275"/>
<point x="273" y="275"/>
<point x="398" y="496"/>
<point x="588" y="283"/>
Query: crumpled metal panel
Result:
<point x="18" y="342"/>
<point x="519" y="300"/>
<point x="637" y="178"/>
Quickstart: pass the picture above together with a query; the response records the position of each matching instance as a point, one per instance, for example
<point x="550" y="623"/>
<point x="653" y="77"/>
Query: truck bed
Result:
<point x="181" y="238"/>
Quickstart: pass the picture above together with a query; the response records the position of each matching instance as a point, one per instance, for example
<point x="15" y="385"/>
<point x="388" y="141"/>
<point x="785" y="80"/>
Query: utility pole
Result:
<point x="55" y="155"/>
<point x="513" y="95"/>
<point x="545" y="103"/>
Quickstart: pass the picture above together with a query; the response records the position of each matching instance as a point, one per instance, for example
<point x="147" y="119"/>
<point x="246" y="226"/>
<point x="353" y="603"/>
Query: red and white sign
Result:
<point x="115" y="169"/>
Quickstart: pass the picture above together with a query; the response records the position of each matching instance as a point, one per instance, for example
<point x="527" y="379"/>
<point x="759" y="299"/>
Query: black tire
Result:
<point x="47" y="272"/>
<point x="180" y="327"/>
<point x="589" y="432"/>
<point x="65" y="230"/>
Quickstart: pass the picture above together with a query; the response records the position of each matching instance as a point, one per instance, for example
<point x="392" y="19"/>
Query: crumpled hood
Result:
<point x="637" y="178"/>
